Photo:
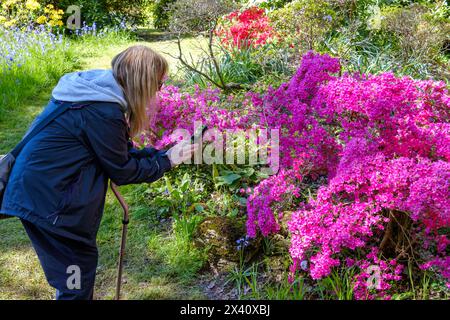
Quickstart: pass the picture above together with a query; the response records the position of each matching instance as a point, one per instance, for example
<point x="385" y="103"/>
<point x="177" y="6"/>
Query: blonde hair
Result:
<point x="139" y="71"/>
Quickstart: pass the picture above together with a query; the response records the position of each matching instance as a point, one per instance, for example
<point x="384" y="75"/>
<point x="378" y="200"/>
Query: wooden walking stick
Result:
<point x="125" y="222"/>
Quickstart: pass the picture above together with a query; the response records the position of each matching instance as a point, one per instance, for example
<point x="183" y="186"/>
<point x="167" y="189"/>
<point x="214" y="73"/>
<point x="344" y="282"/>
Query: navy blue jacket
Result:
<point x="60" y="178"/>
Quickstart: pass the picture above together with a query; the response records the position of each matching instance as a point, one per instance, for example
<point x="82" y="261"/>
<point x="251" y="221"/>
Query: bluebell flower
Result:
<point x="304" y="265"/>
<point x="242" y="243"/>
<point x="328" y="18"/>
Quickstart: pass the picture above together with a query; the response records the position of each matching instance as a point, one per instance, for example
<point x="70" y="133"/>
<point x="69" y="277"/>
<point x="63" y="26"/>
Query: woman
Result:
<point x="59" y="181"/>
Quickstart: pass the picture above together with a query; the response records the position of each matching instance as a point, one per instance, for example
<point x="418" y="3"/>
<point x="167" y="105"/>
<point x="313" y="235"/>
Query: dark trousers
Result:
<point x="69" y="265"/>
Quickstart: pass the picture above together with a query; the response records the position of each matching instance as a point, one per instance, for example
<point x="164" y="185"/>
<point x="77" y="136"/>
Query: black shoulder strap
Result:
<point x="60" y="109"/>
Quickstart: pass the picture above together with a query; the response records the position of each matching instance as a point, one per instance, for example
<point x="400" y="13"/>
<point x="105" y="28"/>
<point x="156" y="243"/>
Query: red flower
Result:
<point x="249" y="28"/>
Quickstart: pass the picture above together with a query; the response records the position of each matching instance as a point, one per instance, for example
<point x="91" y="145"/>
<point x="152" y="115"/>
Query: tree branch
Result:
<point x="187" y="65"/>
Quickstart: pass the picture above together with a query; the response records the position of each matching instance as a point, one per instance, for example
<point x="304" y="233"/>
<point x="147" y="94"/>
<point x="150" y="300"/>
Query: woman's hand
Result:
<point x="181" y="152"/>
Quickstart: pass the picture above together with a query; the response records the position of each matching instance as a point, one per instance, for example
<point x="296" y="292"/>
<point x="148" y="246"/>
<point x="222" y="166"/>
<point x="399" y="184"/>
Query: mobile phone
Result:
<point x="196" y="136"/>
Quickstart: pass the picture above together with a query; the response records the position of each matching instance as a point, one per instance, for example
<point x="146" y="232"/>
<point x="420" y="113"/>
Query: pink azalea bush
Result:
<point x="380" y="143"/>
<point x="383" y="143"/>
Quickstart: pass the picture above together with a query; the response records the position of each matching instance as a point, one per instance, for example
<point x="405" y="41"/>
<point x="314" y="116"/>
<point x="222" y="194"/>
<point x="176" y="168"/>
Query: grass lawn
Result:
<point x="168" y="48"/>
<point x="155" y="267"/>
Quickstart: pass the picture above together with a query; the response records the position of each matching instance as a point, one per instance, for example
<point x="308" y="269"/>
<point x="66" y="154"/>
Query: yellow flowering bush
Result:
<point x="16" y="13"/>
<point x="32" y="5"/>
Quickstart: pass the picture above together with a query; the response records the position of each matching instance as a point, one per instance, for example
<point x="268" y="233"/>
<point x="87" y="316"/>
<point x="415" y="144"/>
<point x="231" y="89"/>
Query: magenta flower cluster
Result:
<point x="376" y="277"/>
<point x="271" y="194"/>
<point x="179" y="110"/>
<point x="289" y="109"/>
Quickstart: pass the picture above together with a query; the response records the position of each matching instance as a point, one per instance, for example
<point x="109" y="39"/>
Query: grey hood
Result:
<point x="92" y="85"/>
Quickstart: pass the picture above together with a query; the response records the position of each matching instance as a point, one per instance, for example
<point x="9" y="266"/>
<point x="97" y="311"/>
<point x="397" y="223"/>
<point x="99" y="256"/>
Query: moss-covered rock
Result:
<point x="277" y="267"/>
<point x="220" y="235"/>
<point x="285" y="217"/>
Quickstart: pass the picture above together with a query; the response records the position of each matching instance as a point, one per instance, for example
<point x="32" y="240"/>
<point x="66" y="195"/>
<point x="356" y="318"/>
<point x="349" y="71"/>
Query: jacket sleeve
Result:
<point x="141" y="153"/>
<point x="109" y="141"/>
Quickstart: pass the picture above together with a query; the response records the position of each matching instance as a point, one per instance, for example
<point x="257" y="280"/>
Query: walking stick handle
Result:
<point x="120" y="198"/>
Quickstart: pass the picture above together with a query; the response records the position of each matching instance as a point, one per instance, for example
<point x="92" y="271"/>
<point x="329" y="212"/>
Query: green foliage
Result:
<point x="223" y="203"/>
<point x="167" y="244"/>
<point x="23" y="13"/>
<point x="234" y="177"/>
<point x="243" y="67"/>
<point x="244" y="277"/>
<point x="304" y="23"/>
<point x="286" y="290"/>
<point x="186" y="226"/>
<point x="407" y="40"/>
<point x="176" y="257"/>
<point x="273" y="4"/>
<point x="161" y="13"/>
<point x="109" y="12"/>
<point x="338" y="285"/>
<point x="21" y="81"/>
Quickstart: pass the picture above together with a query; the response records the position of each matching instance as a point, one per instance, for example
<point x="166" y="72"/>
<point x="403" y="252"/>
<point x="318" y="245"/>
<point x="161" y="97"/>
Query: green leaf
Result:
<point x="243" y="201"/>
<point x="199" y="208"/>
<point x="230" y="178"/>
<point x="215" y="172"/>
<point x="168" y="184"/>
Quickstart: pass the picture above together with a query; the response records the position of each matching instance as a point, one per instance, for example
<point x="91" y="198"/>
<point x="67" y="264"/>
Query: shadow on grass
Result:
<point x="154" y="35"/>
<point x="16" y="120"/>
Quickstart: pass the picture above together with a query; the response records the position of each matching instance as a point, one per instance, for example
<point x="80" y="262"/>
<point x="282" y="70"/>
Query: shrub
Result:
<point x="109" y="12"/>
<point x="375" y="146"/>
<point x="161" y="13"/>
<point x="20" y="13"/>
<point x="405" y="38"/>
<point x="419" y="35"/>
<point x="392" y="172"/>
<point x="304" y="23"/>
